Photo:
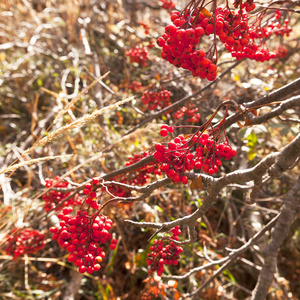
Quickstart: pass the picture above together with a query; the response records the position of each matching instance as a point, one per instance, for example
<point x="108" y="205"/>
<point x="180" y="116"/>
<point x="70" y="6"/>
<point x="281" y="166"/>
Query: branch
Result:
<point x="146" y="190"/>
<point x="285" y="105"/>
<point x="195" y="270"/>
<point x="277" y="95"/>
<point x="235" y="254"/>
<point x="287" y="214"/>
<point x="213" y="187"/>
<point x="287" y="158"/>
<point x="181" y="102"/>
<point x="141" y="163"/>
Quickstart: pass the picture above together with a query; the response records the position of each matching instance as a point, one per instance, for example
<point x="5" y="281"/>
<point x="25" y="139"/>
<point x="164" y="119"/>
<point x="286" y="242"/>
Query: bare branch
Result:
<point x="277" y="95"/>
<point x="279" y="233"/>
<point x="285" y="105"/>
<point x="235" y="254"/>
<point x="287" y="158"/>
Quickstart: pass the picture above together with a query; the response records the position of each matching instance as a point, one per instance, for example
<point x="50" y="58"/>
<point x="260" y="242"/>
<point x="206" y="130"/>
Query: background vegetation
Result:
<point x="55" y="120"/>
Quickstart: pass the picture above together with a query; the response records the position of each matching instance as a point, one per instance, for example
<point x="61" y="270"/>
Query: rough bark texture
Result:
<point x="279" y="233"/>
<point x="73" y="286"/>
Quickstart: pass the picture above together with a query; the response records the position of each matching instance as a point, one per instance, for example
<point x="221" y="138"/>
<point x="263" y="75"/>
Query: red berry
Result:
<point x="164" y="132"/>
<point x="184" y="179"/>
<point x="82" y="269"/>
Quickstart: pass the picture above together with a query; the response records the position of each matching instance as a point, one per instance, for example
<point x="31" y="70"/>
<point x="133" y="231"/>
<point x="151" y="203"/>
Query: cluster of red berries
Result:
<point x="153" y="100"/>
<point x="249" y="5"/>
<point x="145" y="26"/>
<point x="22" y="241"/>
<point x="163" y="252"/>
<point x="151" y="44"/>
<point x="180" y="40"/>
<point x="167" y="4"/>
<point x="54" y="198"/>
<point x="281" y="52"/>
<point x="138" y="54"/>
<point x="140" y="177"/>
<point x="177" y="158"/>
<point x="134" y="86"/>
<point x="142" y="173"/>
<point x="190" y="111"/>
<point x="239" y="37"/>
<point x="272" y="28"/>
<point x="181" y="37"/>
<point x="81" y="236"/>
<point x="90" y="192"/>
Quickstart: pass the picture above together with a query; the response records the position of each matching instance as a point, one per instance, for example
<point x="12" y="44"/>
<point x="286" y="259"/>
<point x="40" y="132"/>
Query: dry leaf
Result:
<point x="197" y="184"/>
<point x="247" y="121"/>
<point x="176" y="295"/>
<point x="205" y="12"/>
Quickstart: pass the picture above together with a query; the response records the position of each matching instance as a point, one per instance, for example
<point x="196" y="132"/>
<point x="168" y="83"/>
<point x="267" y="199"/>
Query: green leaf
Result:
<point x="252" y="139"/>
<point x="251" y="155"/>
<point x="229" y="275"/>
<point x="188" y="196"/>
<point x="199" y="202"/>
<point x="39" y="82"/>
<point x="158" y="208"/>
<point x="203" y="225"/>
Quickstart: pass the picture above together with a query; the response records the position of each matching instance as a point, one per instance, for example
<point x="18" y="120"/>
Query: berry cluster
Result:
<point x="167" y="4"/>
<point x="145" y="26"/>
<point x="190" y="111"/>
<point x="24" y="241"/>
<point x="233" y="29"/>
<point x="272" y="28"/>
<point x="180" y="40"/>
<point x="90" y="193"/>
<point x="54" y="198"/>
<point x="153" y="100"/>
<point x="177" y="157"/>
<point x="248" y="5"/>
<point x="281" y="52"/>
<point x="134" y="86"/>
<point x="81" y="236"/>
<point x="239" y="37"/>
<point x="138" y="54"/>
<point x="140" y="176"/>
<point x="164" y="252"/>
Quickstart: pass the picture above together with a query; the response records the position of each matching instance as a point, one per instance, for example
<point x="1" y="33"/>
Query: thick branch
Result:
<point x="287" y="158"/>
<point x="279" y="233"/>
<point x="141" y="163"/>
<point x="277" y="95"/>
<point x="285" y="105"/>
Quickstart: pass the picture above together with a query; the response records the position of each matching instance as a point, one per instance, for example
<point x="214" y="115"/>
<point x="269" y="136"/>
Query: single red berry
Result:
<point x="184" y="179"/>
<point x="164" y="132"/>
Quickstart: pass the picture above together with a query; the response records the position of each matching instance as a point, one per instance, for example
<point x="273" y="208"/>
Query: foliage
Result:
<point x="149" y="149"/>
